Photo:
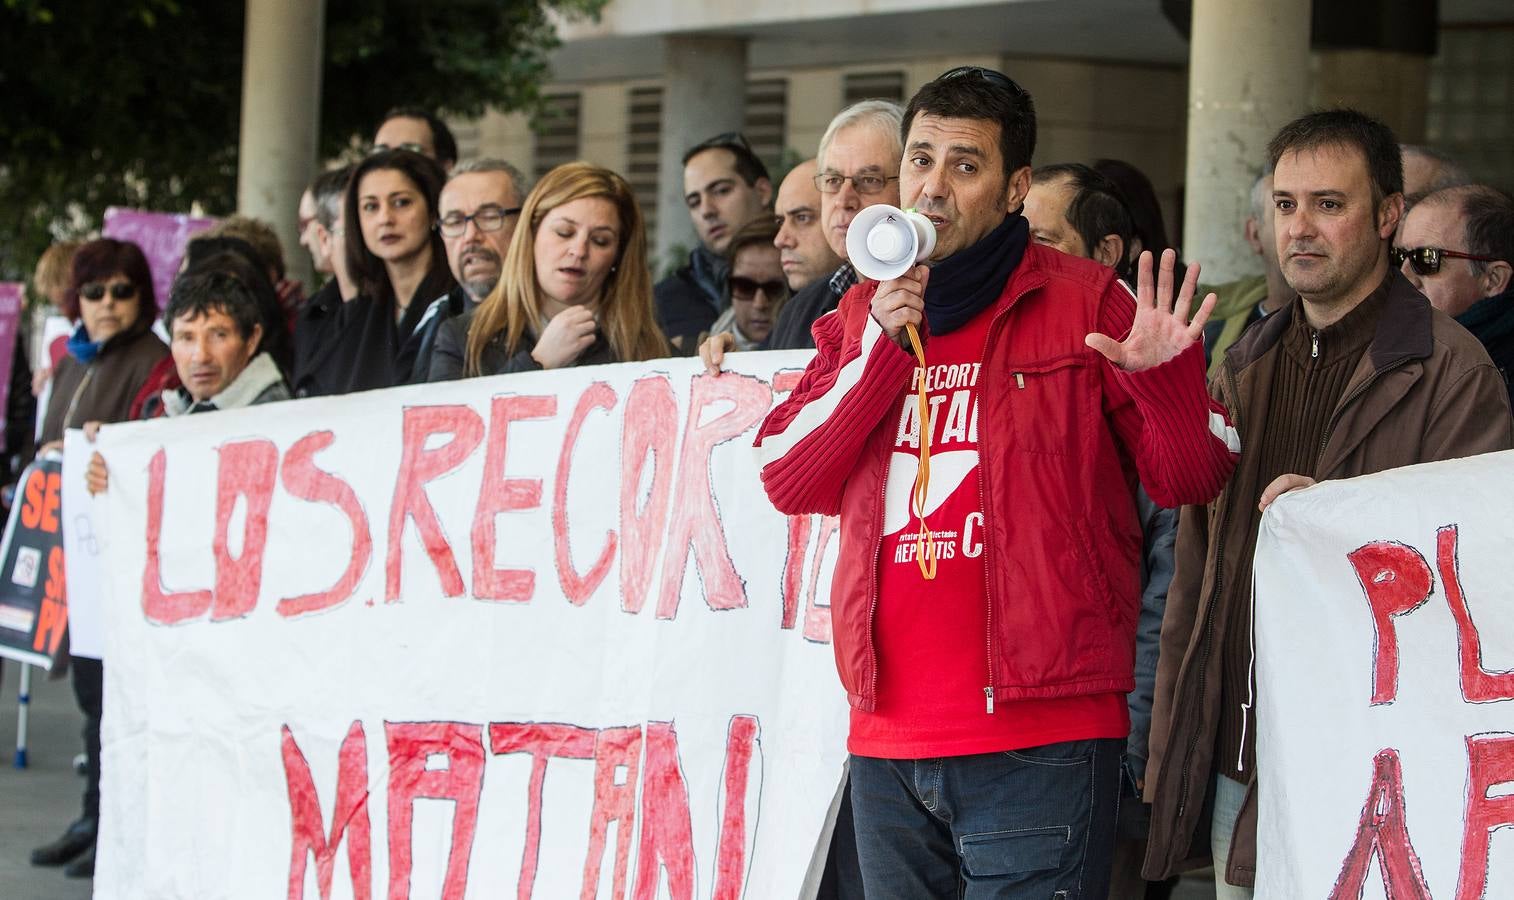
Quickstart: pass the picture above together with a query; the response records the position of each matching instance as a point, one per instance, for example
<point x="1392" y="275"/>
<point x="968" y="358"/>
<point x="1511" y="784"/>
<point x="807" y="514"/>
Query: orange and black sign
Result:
<point x="33" y="600"/>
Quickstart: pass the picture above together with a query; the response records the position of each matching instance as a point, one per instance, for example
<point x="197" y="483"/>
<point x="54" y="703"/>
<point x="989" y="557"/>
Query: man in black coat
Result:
<point x="725" y="186"/>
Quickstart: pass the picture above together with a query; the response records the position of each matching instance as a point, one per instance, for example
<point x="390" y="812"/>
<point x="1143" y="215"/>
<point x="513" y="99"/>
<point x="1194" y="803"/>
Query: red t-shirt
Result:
<point x="931" y="636"/>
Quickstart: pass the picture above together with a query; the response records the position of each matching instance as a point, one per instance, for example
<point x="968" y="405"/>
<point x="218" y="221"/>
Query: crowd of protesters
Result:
<point x="1118" y="500"/>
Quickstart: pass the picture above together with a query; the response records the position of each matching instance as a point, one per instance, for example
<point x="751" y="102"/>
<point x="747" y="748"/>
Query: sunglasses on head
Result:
<point x="729" y="139"/>
<point x="121" y="290"/>
<point x="746" y="289"/>
<point x="998" y="79"/>
<point x="409" y="145"/>
<point x="1426" y="260"/>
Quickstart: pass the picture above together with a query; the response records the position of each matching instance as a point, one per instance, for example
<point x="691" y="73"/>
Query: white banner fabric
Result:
<point x="1385" y="640"/>
<point x="83" y="549"/>
<point x="534" y="635"/>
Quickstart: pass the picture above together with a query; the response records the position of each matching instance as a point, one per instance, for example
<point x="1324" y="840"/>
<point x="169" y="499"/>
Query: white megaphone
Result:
<point x="884" y="241"/>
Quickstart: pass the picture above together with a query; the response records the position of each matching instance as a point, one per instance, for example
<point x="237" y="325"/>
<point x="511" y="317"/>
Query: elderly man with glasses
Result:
<point x="725" y="186"/>
<point x="984" y="606"/>
<point x="476" y="215"/>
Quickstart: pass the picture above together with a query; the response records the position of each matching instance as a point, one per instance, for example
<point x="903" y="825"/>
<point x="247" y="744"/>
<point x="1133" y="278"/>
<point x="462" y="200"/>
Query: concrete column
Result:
<point x="1248" y="74"/>
<point x="704" y="94"/>
<point x="281" y="115"/>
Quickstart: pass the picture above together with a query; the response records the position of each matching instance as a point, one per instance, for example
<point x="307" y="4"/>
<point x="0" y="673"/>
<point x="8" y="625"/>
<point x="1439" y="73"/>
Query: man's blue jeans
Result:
<point x="1034" y="823"/>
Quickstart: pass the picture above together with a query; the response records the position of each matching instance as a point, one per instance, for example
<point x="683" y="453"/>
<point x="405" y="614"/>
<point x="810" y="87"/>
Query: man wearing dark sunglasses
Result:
<point x="1457" y="246"/>
<point x="725" y="186"/>
<point x="1357" y="374"/>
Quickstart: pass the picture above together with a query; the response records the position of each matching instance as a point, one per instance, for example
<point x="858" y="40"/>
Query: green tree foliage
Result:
<point x="138" y="102"/>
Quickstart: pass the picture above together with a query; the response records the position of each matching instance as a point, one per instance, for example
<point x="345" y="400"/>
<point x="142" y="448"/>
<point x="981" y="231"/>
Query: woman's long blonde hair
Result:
<point x="625" y="313"/>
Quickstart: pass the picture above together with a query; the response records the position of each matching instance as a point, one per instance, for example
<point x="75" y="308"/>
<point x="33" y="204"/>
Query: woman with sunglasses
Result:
<point x="575" y="289"/>
<point x="109" y="357"/>
<point x="398" y="261"/>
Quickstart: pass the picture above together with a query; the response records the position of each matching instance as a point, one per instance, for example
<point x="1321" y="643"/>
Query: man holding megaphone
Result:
<point x="977" y="418"/>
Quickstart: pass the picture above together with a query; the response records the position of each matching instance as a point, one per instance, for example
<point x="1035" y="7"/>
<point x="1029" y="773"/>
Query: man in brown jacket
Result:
<point x="1357" y="374"/>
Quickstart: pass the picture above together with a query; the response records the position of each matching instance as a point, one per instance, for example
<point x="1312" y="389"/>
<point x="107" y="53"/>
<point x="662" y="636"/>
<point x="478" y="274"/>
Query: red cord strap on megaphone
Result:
<point x="924" y="543"/>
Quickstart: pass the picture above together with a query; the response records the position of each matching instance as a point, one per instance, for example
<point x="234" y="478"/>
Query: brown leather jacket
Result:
<point x="102" y="390"/>
<point x="1424" y="390"/>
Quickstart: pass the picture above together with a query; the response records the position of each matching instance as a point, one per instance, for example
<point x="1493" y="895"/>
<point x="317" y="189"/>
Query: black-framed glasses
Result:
<point x="743" y="288"/>
<point x="1426" y="260"/>
<point x="94" y="290"/>
<point x="488" y="218"/>
<point x="412" y="146"/>
<point x="832" y="182"/>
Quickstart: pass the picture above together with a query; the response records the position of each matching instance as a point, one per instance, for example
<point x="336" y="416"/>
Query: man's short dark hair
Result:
<point x="1487" y="216"/>
<point x="1097" y="207"/>
<point x="327" y="189"/>
<point x="973" y="92"/>
<point x="199" y="292"/>
<point x="1346" y="128"/>
<point x="748" y="166"/>
<point x="441" y="135"/>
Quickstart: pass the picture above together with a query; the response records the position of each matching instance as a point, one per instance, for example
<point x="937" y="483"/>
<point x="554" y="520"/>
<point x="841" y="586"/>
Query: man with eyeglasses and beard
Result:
<point x="1357" y="374"/>
<point x="1457" y="246"/>
<point x="476" y="216"/>
<point x="983" y="611"/>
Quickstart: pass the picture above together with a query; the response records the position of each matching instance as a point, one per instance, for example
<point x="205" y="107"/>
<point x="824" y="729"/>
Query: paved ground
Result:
<point x="38" y="801"/>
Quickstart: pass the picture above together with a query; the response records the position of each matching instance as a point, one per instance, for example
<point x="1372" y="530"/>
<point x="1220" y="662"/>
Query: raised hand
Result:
<point x="1161" y="329"/>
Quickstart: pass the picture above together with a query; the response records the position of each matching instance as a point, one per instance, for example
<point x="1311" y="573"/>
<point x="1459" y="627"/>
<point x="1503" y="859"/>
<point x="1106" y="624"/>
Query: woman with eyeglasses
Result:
<point x="399" y="264"/>
<point x="575" y="290"/>
<point x="110" y="356"/>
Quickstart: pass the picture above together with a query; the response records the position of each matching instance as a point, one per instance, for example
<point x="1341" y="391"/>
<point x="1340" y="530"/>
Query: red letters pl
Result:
<point x="1478" y="685"/>
<point x="1396" y="580"/>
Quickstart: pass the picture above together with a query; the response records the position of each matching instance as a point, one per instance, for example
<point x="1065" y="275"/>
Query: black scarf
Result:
<point x="965" y="283"/>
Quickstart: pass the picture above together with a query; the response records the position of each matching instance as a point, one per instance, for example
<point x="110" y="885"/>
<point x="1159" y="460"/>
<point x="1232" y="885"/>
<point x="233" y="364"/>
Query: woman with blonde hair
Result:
<point x="575" y="289"/>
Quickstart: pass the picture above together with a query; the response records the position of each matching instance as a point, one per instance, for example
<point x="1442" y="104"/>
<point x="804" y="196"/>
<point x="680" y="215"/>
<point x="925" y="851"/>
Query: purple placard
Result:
<point x="162" y="236"/>
<point x="12" y="300"/>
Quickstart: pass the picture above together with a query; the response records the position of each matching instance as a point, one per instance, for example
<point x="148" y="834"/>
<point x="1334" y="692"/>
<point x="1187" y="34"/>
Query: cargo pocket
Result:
<point x="1048" y="405"/>
<point x="999" y="853"/>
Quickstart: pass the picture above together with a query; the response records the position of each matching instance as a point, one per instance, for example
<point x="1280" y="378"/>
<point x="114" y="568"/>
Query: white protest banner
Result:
<point x="535" y="635"/>
<point x="83" y="549"/>
<point x="1385" y="639"/>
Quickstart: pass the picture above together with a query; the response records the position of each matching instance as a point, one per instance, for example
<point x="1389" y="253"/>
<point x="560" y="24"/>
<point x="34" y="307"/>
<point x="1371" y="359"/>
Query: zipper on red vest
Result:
<point x="872" y="598"/>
